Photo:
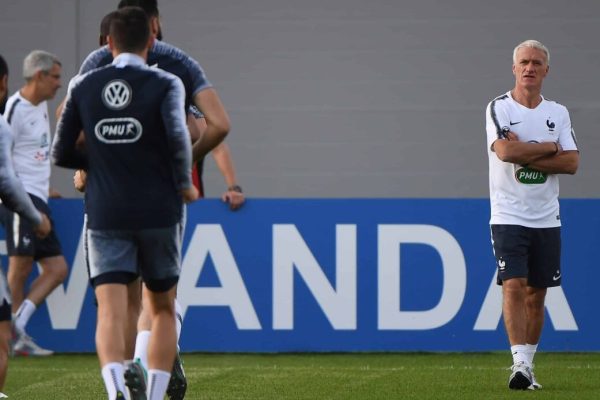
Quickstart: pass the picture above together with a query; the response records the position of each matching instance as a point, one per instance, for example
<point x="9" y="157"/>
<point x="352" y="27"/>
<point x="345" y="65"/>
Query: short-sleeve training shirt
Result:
<point x="519" y="195"/>
<point x="31" y="143"/>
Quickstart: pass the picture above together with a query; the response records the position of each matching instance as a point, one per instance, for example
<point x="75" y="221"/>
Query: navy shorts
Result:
<point x="532" y="253"/>
<point x="21" y="239"/>
<point x="119" y="256"/>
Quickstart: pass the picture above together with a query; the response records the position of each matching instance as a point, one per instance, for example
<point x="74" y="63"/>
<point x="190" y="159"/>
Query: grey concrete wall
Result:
<point x="353" y="98"/>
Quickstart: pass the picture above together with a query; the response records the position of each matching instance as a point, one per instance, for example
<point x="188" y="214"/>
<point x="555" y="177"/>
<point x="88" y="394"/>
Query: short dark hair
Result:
<point x="130" y="29"/>
<point x="3" y="67"/>
<point x="150" y="7"/>
<point x="105" y="27"/>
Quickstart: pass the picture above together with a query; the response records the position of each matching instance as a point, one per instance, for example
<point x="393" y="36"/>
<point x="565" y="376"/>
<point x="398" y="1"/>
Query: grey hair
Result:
<point x="38" y="60"/>
<point x="534" y="44"/>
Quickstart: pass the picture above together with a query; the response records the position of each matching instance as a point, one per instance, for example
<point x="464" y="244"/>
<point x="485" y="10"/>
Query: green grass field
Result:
<point x="325" y="376"/>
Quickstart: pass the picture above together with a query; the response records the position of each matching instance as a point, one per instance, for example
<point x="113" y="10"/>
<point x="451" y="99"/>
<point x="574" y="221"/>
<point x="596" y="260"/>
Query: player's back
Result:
<point x="171" y="59"/>
<point x="131" y="181"/>
<point x="164" y="56"/>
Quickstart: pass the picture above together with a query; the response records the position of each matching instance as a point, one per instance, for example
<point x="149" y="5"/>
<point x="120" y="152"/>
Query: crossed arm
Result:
<point x="547" y="157"/>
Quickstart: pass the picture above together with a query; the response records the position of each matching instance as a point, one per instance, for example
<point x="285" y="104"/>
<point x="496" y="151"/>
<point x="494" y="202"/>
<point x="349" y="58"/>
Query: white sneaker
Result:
<point x="25" y="346"/>
<point x="520" y="379"/>
<point x="535" y="385"/>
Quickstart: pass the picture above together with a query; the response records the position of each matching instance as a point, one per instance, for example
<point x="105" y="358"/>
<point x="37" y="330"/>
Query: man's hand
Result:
<point x="235" y="198"/>
<point x="190" y="194"/>
<point x="512" y="136"/>
<point x="79" y="180"/>
<point x="44" y="228"/>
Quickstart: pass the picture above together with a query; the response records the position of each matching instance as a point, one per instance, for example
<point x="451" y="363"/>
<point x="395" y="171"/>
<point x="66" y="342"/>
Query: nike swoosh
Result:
<point x="514" y="123"/>
<point x="555" y="278"/>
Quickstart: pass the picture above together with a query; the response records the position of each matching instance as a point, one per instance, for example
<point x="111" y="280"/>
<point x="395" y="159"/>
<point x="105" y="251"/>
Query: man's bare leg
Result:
<point x="110" y="335"/>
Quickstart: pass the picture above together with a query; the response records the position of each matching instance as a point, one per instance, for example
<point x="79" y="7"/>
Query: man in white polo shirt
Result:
<point x="530" y="141"/>
<point x="27" y="113"/>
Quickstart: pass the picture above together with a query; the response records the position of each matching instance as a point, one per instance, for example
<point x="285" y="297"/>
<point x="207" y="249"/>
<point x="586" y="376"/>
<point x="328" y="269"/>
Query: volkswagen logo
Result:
<point x="116" y="94"/>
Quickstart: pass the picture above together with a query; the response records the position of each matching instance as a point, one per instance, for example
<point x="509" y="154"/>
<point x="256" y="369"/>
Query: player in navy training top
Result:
<point x="170" y="58"/>
<point x="138" y="159"/>
<point x="200" y="93"/>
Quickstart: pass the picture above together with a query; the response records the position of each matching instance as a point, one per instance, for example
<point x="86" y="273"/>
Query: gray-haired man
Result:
<point x="530" y="142"/>
<point x="27" y="113"/>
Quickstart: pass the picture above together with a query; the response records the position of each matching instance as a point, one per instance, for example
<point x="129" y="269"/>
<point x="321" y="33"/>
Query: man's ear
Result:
<point x="3" y="92"/>
<point x="110" y="42"/>
<point x="38" y="75"/>
<point x="4" y="83"/>
<point x="154" y="26"/>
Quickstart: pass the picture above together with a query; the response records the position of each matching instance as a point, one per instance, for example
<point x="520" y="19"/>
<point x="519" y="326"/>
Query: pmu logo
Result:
<point x="530" y="176"/>
<point x="116" y="94"/>
<point x="118" y="130"/>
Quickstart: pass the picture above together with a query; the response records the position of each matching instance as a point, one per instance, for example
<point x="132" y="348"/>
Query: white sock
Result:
<point x="112" y="374"/>
<point x="141" y="348"/>
<point x="519" y="353"/>
<point x="157" y="384"/>
<point x="178" y="320"/>
<point x="530" y="350"/>
<point x="23" y="314"/>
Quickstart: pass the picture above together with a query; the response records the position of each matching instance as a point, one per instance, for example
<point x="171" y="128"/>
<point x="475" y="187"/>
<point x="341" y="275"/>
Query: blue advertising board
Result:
<point x="340" y="275"/>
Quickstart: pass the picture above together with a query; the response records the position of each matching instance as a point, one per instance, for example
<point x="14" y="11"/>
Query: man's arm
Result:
<point x="59" y="109"/>
<point x="565" y="162"/>
<point x="64" y="148"/>
<point x="234" y="195"/>
<point x="217" y="122"/>
<point x="12" y="192"/>
<point x="178" y="138"/>
<point x="196" y="126"/>
<point x="79" y="178"/>
<point x="222" y="156"/>
<point x="513" y="151"/>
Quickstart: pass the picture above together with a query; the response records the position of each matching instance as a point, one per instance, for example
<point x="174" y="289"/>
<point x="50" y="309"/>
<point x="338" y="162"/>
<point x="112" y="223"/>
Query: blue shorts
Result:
<point x="532" y="253"/>
<point x="120" y="256"/>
